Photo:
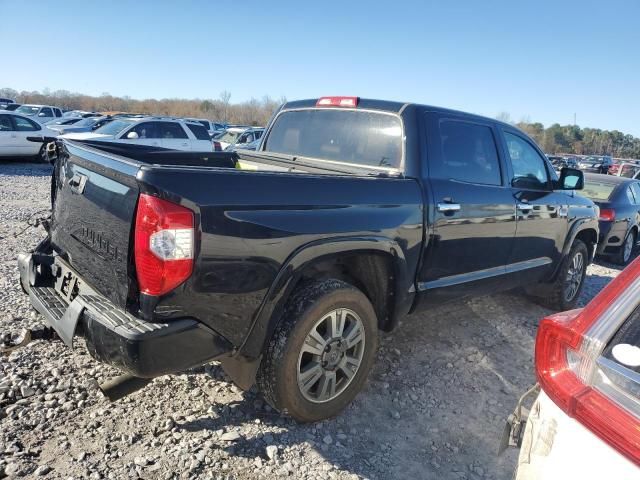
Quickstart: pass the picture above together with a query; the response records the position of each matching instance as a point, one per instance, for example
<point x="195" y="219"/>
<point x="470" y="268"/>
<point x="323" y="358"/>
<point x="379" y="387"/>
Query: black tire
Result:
<point x="277" y="376"/>
<point x="623" y="256"/>
<point x="557" y="297"/>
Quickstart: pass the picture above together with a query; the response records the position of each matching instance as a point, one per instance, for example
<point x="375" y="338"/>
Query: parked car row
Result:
<point x="186" y="134"/>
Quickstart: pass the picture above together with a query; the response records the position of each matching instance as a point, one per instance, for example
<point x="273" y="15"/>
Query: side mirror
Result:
<point x="570" y="179"/>
<point x="133" y="135"/>
<point x="41" y="114"/>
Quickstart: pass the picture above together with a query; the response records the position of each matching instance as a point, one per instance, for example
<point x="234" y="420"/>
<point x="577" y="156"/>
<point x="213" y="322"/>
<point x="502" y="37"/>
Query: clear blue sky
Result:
<point x="544" y="60"/>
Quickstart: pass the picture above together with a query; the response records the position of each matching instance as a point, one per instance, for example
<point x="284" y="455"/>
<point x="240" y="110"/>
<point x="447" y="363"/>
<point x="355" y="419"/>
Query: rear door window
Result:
<point x="5" y="123"/>
<point x="635" y="187"/>
<point x="199" y="131"/>
<point x="468" y="154"/>
<point x="347" y="136"/>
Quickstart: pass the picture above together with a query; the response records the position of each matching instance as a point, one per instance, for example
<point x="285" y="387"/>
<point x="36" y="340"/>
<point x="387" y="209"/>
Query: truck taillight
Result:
<point x="337" y="102"/>
<point x="164" y="242"/>
<point x="217" y="147"/>
<point x="568" y="346"/>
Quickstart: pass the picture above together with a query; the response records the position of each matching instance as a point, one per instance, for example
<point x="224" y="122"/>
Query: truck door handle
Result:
<point x="448" y="207"/>
<point x="523" y="207"/>
<point x="185" y="144"/>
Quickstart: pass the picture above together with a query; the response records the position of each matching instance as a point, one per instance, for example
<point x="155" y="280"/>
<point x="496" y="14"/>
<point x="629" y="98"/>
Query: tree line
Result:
<point x="554" y="139"/>
<point x="567" y="139"/>
<point x="251" y="112"/>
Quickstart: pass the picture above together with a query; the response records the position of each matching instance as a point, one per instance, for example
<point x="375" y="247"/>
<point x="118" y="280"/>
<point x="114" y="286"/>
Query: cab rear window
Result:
<point x="348" y="136"/>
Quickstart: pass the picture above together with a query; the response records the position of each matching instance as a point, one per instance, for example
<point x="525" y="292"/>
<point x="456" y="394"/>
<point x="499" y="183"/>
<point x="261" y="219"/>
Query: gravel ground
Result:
<point x="434" y="406"/>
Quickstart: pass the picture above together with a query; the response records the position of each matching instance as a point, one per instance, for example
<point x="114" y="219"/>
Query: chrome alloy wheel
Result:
<point x="628" y="248"/>
<point x="574" y="276"/>
<point x="331" y="355"/>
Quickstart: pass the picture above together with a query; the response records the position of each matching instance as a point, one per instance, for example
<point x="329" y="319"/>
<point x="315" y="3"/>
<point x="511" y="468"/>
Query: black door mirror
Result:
<point x="570" y="179"/>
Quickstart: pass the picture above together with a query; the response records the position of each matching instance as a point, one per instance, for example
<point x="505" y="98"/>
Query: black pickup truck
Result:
<point x="285" y="262"/>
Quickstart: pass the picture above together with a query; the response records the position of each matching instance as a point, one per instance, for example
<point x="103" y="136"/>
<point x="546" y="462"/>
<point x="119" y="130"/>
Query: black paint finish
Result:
<point x="258" y="231"/>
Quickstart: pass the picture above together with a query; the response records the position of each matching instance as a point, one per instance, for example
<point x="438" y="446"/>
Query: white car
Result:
<point x="585" y="423"/>
<point x="169" y="133"/>
<point x="236" y="136"/>
<point x="14" y="130"/>
<point x="39" y="113"/>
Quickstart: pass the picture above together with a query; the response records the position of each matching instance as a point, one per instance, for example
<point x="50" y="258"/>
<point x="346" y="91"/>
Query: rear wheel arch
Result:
<point x="374" y="265"/>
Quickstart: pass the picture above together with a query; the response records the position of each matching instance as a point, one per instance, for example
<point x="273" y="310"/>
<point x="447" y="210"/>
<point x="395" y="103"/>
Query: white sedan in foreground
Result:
<point x="586" y="421"/>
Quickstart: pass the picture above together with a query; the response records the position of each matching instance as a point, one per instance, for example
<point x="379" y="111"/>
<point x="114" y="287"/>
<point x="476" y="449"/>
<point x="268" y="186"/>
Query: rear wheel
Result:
<point x="626" y="249"/>
<point x="564" y="292"/>
<point x="320" y="355"/>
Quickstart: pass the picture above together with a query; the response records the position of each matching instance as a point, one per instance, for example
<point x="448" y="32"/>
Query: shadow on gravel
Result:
<point x="435" y="403"/>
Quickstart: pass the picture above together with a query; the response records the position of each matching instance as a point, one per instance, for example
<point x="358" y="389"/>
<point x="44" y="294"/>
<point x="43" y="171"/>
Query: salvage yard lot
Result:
<point x="434" y="406"/>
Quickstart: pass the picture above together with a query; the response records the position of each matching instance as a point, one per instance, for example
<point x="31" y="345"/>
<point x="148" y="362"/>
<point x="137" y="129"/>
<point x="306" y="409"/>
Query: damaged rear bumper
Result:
<point x="112" y="335"/>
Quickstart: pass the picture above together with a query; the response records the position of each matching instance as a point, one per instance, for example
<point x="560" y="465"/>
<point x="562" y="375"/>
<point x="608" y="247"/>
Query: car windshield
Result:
<point x="598" y="191"/>
<point x="114" y="127"/>
<point x="27" y="110"/>
<point x="228" y="137"/>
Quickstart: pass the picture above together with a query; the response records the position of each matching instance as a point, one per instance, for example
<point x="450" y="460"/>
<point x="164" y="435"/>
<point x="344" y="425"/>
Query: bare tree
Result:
<point x="225" y="97"/>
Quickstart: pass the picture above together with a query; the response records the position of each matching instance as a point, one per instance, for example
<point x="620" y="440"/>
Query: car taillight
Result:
<point x="164" y="242"/>
<point x="217" y="147"/>
<point x="337" y="102"/>
<point x="568" y="346"/>
<point x="607" y="214"/>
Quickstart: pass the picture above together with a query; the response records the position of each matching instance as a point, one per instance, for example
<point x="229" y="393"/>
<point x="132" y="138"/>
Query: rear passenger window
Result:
<point x="5" y="123"/>
<point x="468" y="153"/>
<point x="172" y="130"/>
<point x="636" y="191"/>
<point x="199" y="131"/>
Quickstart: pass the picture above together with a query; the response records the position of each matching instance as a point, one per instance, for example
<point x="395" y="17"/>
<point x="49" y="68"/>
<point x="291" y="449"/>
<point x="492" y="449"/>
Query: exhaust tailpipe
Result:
<point x="121" y="386"/>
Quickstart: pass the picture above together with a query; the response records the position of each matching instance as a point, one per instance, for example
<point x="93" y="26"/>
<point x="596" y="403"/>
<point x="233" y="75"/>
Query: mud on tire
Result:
<point x="308" y="343"/>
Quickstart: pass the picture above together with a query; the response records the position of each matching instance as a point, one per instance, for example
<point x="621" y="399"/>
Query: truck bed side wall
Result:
<point x="251" y="223"/>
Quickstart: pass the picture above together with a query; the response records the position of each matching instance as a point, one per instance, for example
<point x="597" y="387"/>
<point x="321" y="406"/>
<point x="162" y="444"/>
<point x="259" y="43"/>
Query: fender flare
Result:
<point x="267" y="316"/>
<point x="579" y="226"/>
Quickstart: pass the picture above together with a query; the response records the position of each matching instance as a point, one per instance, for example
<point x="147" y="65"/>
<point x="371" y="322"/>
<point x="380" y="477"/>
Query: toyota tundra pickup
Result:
<point x="284" y="263"/>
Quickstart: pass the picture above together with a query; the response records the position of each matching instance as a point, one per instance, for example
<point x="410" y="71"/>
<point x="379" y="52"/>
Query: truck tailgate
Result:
<point x="93" y="215"/>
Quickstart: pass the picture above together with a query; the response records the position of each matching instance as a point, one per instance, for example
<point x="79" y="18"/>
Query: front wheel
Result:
<point x="320" y="355"/>
<point x="564" y="292"/>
